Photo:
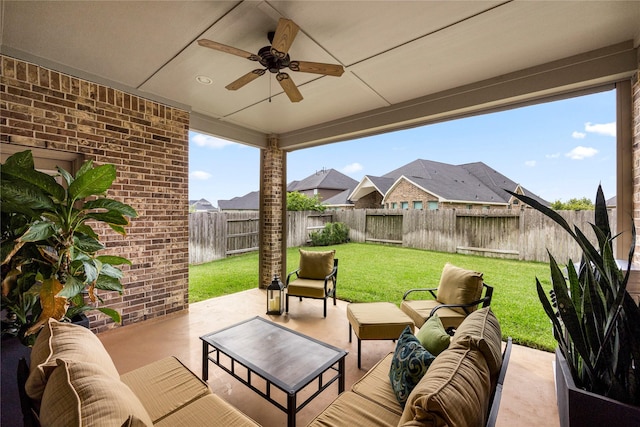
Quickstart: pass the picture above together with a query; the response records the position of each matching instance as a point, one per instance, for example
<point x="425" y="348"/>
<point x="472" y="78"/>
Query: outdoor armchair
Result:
<point x="316" y="277"/>
<point x="458" y="294"/>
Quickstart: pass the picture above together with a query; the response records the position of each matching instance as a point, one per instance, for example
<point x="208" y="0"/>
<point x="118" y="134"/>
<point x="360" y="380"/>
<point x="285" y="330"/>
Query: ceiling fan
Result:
<point x="274" y="58"/>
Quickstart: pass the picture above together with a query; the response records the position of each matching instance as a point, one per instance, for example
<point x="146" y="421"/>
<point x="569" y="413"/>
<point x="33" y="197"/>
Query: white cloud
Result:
<point x="353" y="167"/>
<point x="580" y="153"/>
<point x="607" y="129"/>
<point x="530" y="163"/>
<point x="578" y="135"/>
<point x="209" y="141"/>
<point x="200" y="175"/>
<point x="553" y="156"/>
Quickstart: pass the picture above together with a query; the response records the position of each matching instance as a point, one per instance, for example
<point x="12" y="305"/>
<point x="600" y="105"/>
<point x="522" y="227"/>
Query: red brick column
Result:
<point x="272" y="212"/>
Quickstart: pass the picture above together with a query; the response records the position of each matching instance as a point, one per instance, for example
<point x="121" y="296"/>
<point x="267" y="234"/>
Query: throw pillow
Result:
<point x="433" y="336"/>
<point x="61" y="340"/>
<point x="316" y="264"/>
<point x="81" y="394"/>
<point x="459" y="286"/>
<point x="409" y="364"/>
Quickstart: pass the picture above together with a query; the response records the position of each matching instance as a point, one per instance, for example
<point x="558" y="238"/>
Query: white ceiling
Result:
<point x="407" y="62"/>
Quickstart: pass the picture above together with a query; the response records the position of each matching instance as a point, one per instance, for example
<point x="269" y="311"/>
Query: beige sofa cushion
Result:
<point x="209" y="410"/>
<point x="459" y="286"/>
<point x="454" y="392"/>
<point x="350" y="410"/>
<point x="165" y="386"/>
<point x="81" y="394"/>
<point x="60" y="340"/>
<point x="483" y="328"/>
<point x="376" y="387"/>
<point x="316" y="264"/>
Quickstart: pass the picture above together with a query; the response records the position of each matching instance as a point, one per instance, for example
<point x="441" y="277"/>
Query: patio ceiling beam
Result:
<point x="579" y="74"/>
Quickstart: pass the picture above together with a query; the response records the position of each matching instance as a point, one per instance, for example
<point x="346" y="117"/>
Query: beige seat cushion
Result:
<point x="311" y="288"/>
<point x="376" y="387"/>
<point x="419" y="311"/>
<point x="377" y="320"/>
<point x="350" y="409"/>
<point x="81" y="394"/>
<point x="316" y="264"/>
<point x="165" y="386"/>
<point x="459" y="286"/>
<point x="209" y="410"/>
<point x="60" y="340"/>
<point x="483" y="328"/>
<point x="454" y="392"/>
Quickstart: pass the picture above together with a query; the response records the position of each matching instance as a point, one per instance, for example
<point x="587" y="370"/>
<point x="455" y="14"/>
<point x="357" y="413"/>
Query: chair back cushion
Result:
<point x="459" y="286"/>
<point x="316" y="264"/>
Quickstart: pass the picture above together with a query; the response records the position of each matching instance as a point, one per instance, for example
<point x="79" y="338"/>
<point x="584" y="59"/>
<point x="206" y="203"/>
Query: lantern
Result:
<point x="275" y="297"/>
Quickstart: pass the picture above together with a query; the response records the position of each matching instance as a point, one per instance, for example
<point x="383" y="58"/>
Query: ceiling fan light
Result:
<point x="204" y="80"/>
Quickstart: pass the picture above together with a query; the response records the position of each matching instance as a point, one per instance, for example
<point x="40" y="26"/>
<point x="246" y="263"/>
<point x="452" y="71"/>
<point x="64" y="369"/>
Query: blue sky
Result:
<point x="558" y="150"/>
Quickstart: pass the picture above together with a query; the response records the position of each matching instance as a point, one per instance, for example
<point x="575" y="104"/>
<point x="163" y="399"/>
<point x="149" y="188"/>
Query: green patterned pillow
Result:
<point x="409" y="364"/>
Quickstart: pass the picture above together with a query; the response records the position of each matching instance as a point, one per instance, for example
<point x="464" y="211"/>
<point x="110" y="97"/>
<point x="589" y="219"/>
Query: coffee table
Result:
<point x="283" y="358"/>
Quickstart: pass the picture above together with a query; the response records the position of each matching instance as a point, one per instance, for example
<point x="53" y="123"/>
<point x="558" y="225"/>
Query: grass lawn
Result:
<point x="371" y="272"/>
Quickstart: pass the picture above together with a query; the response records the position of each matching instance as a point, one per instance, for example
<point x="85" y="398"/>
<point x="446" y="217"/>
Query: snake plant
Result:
<point x="49" y="249"/>
<point x="595" y="321"/>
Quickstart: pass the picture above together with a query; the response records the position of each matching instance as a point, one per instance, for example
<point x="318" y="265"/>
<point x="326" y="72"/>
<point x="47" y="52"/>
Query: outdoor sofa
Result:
<point x="73" y="381"/>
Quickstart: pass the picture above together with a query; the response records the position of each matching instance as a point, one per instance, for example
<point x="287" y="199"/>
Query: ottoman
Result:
<point x="376" y="321"/>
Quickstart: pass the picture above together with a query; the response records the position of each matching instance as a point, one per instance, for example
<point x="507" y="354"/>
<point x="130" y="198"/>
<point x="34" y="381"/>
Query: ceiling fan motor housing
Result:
<point x="271" y="62"/>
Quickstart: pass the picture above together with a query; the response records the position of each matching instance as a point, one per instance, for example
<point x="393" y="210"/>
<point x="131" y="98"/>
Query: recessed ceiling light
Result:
<point x="204" y="80"/>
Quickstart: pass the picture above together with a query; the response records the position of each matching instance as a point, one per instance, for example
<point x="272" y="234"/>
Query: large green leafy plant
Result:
<point x="50" y="261"/>
<point x="595" y="321"/>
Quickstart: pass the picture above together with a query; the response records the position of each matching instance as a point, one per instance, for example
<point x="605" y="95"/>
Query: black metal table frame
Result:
<point x="292" y="407"/>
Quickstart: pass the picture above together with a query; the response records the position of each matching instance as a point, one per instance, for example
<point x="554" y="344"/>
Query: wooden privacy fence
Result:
<point x="523" y="234"/>
<point x="216" y="235"/>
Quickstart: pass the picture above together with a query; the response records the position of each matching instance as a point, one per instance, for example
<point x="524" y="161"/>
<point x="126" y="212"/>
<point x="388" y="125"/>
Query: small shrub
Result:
<point x="333" y="233"/>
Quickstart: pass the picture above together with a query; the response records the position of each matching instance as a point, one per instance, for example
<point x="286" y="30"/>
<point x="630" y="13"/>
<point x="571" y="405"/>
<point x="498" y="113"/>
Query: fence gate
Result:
<point x="384" y="227"/>
<point x="242" y="235"/>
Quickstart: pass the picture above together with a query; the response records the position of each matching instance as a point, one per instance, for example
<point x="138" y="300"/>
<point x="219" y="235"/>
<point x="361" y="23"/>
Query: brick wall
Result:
<point x="407" y="192"/>
<point x="372" y="200"/>
<point x="148" y="144"/>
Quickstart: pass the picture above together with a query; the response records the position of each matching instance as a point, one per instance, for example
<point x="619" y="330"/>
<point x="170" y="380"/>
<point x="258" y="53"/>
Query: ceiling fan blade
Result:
<point x="228" y="49"/>
<point x="283" y="38"/>
<point x="247" y="78"/>
<point x="289" y="87"/>
<point x="317" y="68"/>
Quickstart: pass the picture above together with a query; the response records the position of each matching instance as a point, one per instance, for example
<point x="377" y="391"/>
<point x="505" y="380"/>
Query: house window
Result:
<point x="46" y="160"/>
<point x="404" y="205"/>
<point x="469" y="207"/>
<point x="417" y="205"/>
<point x="433" y="206"/>
<point x="393" y="205"/>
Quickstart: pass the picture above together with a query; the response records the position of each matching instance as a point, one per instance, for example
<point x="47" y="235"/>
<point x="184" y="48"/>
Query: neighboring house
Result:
<point x="328" y="184"/>
<point x="325" y="183"/>
<point x="425" y="184"/>
<point x="340" y="201"/>
<point x="248" y="202"/>
<point x="202" y="205"/>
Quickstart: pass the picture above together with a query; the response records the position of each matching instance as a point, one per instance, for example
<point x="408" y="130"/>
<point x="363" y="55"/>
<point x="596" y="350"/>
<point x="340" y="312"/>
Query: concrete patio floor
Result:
<point x="528" y="397"/>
